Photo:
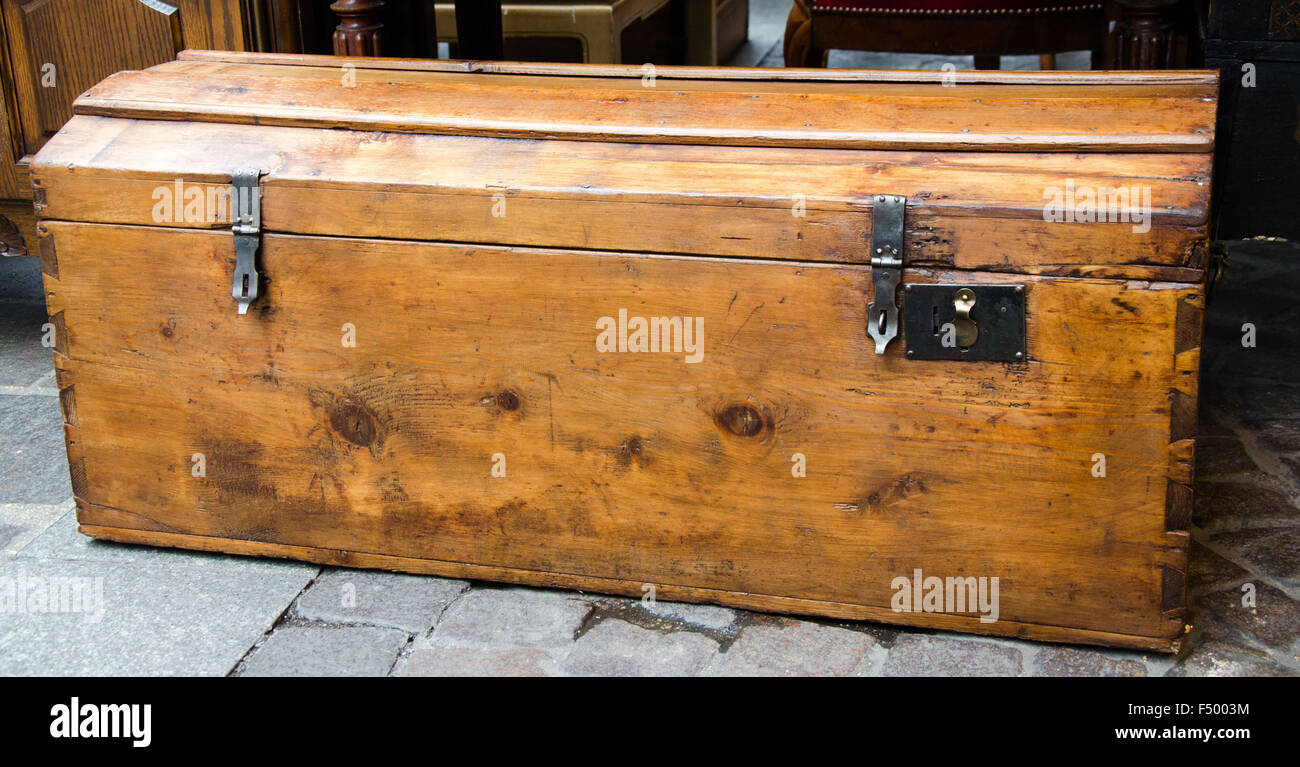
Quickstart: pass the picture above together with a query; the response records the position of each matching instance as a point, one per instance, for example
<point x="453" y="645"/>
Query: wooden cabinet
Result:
<point x="53" y="50"/>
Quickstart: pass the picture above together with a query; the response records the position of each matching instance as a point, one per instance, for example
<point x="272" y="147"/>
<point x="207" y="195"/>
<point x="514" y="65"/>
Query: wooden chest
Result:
<point x="628" y="331"/>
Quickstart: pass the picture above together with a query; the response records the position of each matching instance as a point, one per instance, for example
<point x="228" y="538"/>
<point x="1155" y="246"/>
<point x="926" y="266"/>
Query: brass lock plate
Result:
<point x="979" y="323"/>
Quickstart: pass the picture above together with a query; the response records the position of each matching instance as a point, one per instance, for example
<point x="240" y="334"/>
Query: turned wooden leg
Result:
<point x="799" y="49"/>
<point x="360" y="31"/>
<point x="1145" y="34"/>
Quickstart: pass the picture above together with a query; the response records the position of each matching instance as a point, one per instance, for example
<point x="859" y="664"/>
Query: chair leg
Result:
<point x="1047" y="61"/>
<point x="1147" y="34"/>
<point x="988" y="62"/>
<point x="799" y="50"/>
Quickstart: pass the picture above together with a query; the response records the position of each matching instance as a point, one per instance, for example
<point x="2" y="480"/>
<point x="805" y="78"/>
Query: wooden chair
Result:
<point x="985" y="29"/>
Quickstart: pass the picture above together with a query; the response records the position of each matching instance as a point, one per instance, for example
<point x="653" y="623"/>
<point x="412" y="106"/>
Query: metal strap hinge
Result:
<point x="246" y="205"/>
<point x="886" y="268"/>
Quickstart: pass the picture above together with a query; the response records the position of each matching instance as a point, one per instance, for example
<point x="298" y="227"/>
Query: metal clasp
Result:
<point x="886" y="268"/>
<point x="246" y="204"/>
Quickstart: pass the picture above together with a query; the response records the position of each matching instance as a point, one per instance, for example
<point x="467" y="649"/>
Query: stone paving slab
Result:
<point x="26" y="360"/>
<point x="617" y="648"/>
<point x="499" y="631"/>
<point x="151" y="620"/>
<point x="1077" y="661"/>
<point x="20" y="280"/>
<point x="1207" y="570"/>
<point x="33" y="459"/>
<point x="704" y="616"/>
<point x="62" y="541"/>
<point x="20" y="523"/>
<point x="778" y="647"/>
<point x="326" y="651"/>
<point x="411" y="603"/>
<point x="511" y="618"/>
<point x="1273" y="553"/>
<point x="1270" y="617"/>
<point x="1220" y="652"/>
<point x="766" y="32"/>
<point x="1232" y="506"/>
<point x="947" y="655"/>
<point x="466" y="661"/>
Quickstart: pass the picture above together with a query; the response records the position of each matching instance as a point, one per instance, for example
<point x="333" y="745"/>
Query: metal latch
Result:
<point x="246" y="204"/>
<point x="886" y="268"/>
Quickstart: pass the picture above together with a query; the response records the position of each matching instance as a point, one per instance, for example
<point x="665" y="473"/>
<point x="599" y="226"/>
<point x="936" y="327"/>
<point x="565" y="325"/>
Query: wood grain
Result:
<point x="969" y="210"/>
<point x="863" y="115"/>
<point x="65" y="35"/>
<point x="623" y="467"/>
<point x="669" y="592"/>
<point x="747" y="74"/>
<point x="429" y="211"/>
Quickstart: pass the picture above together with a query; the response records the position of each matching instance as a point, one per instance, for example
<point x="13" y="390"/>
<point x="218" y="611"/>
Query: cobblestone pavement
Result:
<point x="180" y="613"/>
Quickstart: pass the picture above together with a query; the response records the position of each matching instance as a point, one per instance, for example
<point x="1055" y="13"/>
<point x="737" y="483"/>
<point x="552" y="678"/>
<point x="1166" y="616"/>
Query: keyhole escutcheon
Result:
<point x="967" y="331"/>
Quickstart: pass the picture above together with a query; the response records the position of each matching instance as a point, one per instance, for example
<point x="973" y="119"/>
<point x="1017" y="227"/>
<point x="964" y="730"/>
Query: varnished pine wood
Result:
<point x="626" y="469"/>
<point x="970" y="210"/>
<point x="1137" y="118"/>
<point x="746" y="74"/>
<point x="669" y="592"/>
<point x="86" y="40"/>
<point x="662" y="492"/>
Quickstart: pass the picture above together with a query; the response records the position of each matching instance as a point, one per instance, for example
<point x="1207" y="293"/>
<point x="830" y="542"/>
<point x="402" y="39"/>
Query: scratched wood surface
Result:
<point x="970" y="209"/>
<point x="1122" y="116"/>
<point x="623" y="466"/>
<point x="742" y="201"/>
<point x="746" y="74"/>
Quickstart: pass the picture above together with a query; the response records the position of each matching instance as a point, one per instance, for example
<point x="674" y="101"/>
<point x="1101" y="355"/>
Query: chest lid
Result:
<point x="1067" y="173"/>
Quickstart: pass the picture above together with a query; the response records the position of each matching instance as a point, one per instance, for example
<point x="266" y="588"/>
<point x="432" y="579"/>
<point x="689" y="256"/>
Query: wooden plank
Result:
<point x="1031" y="118"/>
<point x="601" y="77"/>
<point x="222" y="24"/>
<point x="668" y="592"/>
<point x="747" y="74"/>
<point x="624" y="467"/>
<point x="969" y="210"/>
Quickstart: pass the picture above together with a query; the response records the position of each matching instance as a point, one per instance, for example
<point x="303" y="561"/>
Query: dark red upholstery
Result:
<point x="953" y="7"/>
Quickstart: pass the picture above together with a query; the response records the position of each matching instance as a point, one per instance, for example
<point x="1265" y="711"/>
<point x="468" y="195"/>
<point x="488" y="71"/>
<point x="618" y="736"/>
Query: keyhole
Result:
<point x="967" y="331"/>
